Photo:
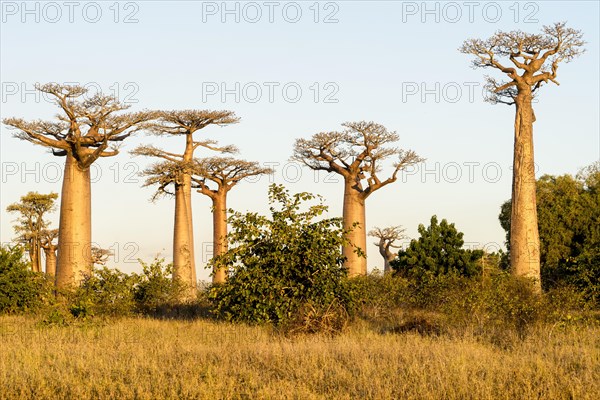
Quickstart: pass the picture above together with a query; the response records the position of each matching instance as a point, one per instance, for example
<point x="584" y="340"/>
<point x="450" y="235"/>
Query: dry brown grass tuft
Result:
<point x="152" y="359"/>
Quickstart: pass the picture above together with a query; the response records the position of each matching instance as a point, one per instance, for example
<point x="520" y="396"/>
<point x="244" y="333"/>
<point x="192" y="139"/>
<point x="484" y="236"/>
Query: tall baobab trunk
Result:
<point x="354" y="212"/>
<point x="75" y="233"/>
<point x="219" y="233"/>
<point x="50" y="261"/>
<point x="187" y="192"/>
<point x="182" y="265"/>
<point x="524" y="234"/>
<point x="34" y="255"/>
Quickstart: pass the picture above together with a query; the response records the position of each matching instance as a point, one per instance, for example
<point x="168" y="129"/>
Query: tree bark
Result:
<point x="74" y="259"/>
<point x="187" y="190"/>
<point x="524" y="235"/>
<point x="354" y="211"/>
<point x="34" y="255"/>
<point x="50" y="261"/>
<point x="219" y="234"/>
<point x="387" y="257"/>
<point x="182" y="265"/>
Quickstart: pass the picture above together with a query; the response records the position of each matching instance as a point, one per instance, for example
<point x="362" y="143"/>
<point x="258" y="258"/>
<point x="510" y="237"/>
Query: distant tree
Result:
<point x="387" y="237"/>
<point x="83" y="132"/>
<point x="439" y="250"/>
<point x="47" y="242"/>
<point x="569" y="224"/>
<point x="32" y="209"/>
<point x="283" y="263"/>
<point x="535" y="59"/>
<point x="100" y="256"/>
<point x="175" y="170"/>
<point x="222" y="174"/>
<point x="357" y="154"/>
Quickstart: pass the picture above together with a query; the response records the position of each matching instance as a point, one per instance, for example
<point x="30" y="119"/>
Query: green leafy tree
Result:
<point x="569" y="224"/>
<point x="20" y="288"/>
<point x="282" y="265"/>
<point x="438" y="251"/>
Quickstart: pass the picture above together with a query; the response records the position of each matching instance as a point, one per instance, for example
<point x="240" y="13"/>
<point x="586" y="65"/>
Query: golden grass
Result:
<point x="152" y="359"/>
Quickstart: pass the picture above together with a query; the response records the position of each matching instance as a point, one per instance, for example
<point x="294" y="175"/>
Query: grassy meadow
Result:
<point x="142" y="358"/>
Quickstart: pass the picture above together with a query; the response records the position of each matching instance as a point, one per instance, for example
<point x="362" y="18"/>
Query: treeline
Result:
<point x="294" y="265"/>
<point x="287" y="270"/>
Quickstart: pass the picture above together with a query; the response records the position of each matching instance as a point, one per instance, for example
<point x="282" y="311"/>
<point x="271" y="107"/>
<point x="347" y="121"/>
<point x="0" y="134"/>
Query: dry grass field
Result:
<point x="158" y="359"/>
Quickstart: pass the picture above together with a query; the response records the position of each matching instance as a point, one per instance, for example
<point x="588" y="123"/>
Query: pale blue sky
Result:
<point x="374" y="61"/>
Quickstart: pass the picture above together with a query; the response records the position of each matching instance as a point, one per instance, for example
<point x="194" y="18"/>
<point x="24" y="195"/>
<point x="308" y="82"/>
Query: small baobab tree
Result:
<point x="387" y="237"/>
<point x="357" y="154"/>
<point x="215" y="177"/>
<point x="31" y="224"/>
<point x="175" y="170"/>
<point x="100" y="256"/>
<point x="533" y="60"/>
<point x="87" y="128"/>
<point x="48" y="238"/>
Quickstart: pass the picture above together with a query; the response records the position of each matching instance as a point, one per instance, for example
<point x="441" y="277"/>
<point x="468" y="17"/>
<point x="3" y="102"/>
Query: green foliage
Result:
<point x="438" y="251"/>
<point x="21" y="289"/>
<point x="569" y="224"/>
<point x="281" y="267"/>
<point x="107" y="292"/>
<point x="499" y="308"/>
<point x="155" y="287"/>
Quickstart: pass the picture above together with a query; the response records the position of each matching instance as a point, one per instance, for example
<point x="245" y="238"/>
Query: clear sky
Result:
<point x="289" y="70"/>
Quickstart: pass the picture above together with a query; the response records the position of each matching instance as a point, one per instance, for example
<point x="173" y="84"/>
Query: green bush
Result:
<point x="21" y="290"/>
<point x="107" y="292"/>
<point x="287" y="268"/>
<point x="155" y="289"/>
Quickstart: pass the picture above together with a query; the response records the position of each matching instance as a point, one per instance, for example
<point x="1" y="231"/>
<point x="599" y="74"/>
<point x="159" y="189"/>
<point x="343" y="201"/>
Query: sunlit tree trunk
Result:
<point x="34" y="254"/>
<point x="74" y="259"/>
<point x="354" y="212"/>
<point x="219" y="233"/>
<point x="182" y="265"/>
<point x="187" y="191"/>
<point x="524" y="235"/>
<point x="50" y="261"/>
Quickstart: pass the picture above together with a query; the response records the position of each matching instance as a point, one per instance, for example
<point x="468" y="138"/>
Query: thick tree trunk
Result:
<point x="387" y="258"/>
<point x="188" y="156"/>
<point x="219" y="233"/>
<point x="182" y="262"/>
<point x="34" y="255"/>
<point x="354" y="211"/>
<point x="74" y="260"/>
<point x="187" y="190"/>
<point x="524" y="235"/>
<point x="50" y="261"/>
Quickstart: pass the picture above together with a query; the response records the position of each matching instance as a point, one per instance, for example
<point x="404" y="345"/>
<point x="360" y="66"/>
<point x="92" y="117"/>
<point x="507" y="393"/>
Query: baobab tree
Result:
<point x="176" y="170"/>
<point x="533" y="61"/>
<point x="100" y="256"/>
<point x="87" y="128"/>
<point x="215" y="177"/>
<point x="357" y="154"/>
<point x="387" y="237"/>
<point x="47" y="243"/>
<point x="31" y="224"/>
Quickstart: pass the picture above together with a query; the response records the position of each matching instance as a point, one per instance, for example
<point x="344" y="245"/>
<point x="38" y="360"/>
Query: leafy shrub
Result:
<point x="107" y="292"/>
<point x="285" y="268"/>
<point x="21" y="290"/>
<point x="155" y="289"/>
